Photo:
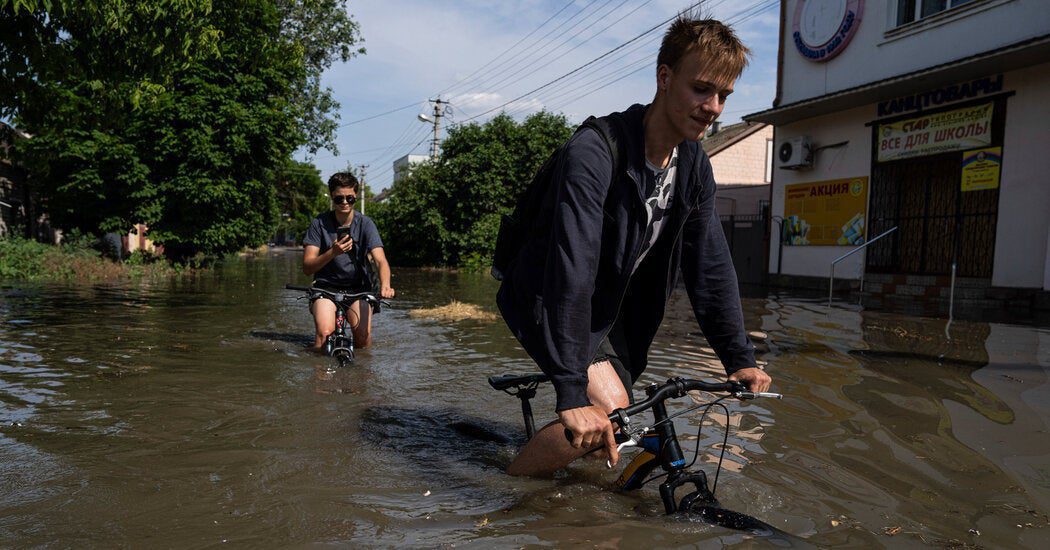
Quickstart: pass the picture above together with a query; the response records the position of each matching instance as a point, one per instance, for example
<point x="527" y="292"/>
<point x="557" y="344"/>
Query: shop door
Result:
<point x="935" y="220"/>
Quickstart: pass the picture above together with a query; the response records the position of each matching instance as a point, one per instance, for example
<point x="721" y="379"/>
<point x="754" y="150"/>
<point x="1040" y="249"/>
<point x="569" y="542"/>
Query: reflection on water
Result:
<point x="190" y="411"/>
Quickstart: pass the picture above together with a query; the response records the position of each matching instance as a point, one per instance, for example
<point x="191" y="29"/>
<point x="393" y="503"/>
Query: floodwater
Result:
<point x="187" y="414"/>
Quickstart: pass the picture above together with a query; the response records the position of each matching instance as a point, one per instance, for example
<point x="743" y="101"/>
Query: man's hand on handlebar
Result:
<point x="590" y="428"/>
<point x="386" y="292"/>
<point x="754" y="378"/>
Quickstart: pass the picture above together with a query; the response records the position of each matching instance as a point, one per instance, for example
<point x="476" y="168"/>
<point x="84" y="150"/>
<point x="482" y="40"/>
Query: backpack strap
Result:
<point x="614" y="131"/>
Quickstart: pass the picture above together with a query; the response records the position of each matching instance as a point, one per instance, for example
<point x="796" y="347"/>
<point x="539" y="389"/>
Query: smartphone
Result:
<point x="341" y="232"/>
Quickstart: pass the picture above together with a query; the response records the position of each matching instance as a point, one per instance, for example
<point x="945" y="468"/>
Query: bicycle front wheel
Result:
<point x="729" y="519"/>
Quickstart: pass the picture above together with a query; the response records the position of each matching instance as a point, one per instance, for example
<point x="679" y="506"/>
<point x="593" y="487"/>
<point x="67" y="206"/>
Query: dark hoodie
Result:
<point x="572" y="278"/>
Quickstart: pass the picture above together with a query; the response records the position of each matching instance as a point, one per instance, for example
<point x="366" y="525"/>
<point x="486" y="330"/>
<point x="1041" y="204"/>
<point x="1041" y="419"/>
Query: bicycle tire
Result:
<point x="729" y="519"/>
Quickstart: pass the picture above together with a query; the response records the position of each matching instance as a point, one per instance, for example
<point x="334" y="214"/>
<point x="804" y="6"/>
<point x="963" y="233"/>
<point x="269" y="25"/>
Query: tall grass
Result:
<point x="28" y="260"/>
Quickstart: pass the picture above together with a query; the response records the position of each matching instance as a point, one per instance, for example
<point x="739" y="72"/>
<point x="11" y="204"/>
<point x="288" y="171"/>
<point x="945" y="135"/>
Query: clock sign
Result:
<point x="823" y="27"/>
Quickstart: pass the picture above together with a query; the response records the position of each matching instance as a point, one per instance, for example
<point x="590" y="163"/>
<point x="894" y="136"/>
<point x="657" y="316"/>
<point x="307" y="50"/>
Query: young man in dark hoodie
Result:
<point x="586" y="296"/>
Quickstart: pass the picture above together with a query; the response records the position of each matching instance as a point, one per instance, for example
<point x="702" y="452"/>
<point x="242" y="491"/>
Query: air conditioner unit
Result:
<point x="795" y="153"/>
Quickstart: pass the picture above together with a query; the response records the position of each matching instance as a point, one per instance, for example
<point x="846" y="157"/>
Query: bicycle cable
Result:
<point x="725" y="441"/>
<point x="699" y="429"/>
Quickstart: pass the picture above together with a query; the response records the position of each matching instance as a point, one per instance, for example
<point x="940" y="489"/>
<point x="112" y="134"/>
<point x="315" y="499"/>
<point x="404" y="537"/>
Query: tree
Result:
<point x="448" y="212"/>
<point x="302" y="195"/>
<point x="140" y="113"/>
<point x="325" y="32"/>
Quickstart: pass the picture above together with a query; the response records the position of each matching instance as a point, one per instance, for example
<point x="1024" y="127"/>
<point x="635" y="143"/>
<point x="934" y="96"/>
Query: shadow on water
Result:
<point x="447" y="451"/>
<point x="437" y="440"/>
<point x="736" y="521"/>
<point x="301" y="340"/>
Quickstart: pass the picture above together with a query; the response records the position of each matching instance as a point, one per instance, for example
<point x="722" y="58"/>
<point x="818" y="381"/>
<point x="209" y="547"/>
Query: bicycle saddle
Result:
<point x="505" y="381"/>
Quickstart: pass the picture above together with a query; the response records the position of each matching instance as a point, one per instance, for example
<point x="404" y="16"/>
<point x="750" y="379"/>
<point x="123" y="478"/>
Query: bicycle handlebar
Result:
<point x="677" y="387"/>
<point x="342" y="296"/>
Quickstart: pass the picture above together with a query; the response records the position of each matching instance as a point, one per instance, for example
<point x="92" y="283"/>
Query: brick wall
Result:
<point x="744" y="162"/>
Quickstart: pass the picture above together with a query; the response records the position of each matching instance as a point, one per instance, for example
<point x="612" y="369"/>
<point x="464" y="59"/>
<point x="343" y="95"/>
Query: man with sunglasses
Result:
<point x="336" y="251"/>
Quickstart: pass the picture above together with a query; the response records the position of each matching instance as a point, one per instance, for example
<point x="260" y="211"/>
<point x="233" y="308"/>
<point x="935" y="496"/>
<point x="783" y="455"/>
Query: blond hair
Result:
<point x="715" y="41"/>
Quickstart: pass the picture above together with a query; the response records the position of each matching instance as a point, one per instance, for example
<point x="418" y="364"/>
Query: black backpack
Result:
<point x="529" y="215"/>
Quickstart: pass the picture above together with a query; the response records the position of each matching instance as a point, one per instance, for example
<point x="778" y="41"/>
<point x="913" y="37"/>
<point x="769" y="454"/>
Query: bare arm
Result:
<point x="313" y="260"/>
<point x="379" y="257"/>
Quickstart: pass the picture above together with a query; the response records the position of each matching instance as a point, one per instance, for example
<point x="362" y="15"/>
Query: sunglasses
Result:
<point x="340" y="199"/>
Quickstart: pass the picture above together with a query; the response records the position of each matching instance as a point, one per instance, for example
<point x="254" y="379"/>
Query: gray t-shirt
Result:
<point x="350" y="270"/>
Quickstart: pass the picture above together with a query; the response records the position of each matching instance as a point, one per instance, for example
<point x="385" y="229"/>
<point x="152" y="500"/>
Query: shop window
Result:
<point x="914" y="10"/>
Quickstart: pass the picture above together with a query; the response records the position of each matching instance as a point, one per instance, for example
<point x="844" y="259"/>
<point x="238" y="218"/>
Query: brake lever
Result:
<point x="632" y="442"/>
<point x="756" y="395"/>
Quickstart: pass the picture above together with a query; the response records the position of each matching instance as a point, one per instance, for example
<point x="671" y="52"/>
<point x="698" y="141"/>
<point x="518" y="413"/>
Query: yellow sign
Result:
<point x="940" y="133"/>
<point x="826" y="213"/>
<point x="980" y="169"/>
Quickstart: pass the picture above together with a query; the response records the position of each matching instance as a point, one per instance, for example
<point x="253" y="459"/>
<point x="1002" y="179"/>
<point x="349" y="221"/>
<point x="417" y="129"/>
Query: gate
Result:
<point x="747" y="238"/>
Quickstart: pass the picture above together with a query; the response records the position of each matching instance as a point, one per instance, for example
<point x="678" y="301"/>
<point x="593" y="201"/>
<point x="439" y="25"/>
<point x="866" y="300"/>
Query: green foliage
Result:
<point x="181" y="114"/>
<point x="75" y="260"/>
<point x="447" y="213"/>
<point x="324" y="32"/>
<point x="21" y="259"/>
<point x="302" y="195"/>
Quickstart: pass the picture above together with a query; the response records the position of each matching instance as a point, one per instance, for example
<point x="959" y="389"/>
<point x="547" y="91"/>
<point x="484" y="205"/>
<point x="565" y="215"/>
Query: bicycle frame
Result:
<point x="662" y="449"/>
<point x="659" y="448"/>
<point x="340" y="343"/>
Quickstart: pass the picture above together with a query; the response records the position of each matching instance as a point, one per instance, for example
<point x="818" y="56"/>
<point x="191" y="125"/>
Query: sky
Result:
<point x="518" y="56"/>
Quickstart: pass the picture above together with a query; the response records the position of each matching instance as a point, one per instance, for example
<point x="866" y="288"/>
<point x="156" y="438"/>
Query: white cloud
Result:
<point x="417" y="49"/>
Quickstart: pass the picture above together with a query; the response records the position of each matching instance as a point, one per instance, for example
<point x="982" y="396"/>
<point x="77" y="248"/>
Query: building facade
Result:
<point x="922" y="118"/>
<point x="404" y="164"/>
<point x="742" y="162"/>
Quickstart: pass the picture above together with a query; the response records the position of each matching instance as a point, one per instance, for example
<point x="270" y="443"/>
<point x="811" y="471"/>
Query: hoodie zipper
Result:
<point x="627" y="283"/>
<point x="681" y="228"/>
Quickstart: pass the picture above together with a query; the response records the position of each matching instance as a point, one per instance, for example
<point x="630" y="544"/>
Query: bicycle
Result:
<point x="340" y="343"/>
<point x="659" y="445"/>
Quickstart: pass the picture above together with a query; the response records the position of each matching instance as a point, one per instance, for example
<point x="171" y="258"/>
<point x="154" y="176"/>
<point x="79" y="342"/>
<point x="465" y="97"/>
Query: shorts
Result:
<point x="365" y="309"/>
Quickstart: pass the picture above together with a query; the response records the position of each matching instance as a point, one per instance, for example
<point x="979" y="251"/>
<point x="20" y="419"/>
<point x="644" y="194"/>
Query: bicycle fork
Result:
<point x="673" y="462"/>
<point x="339" y="345"/>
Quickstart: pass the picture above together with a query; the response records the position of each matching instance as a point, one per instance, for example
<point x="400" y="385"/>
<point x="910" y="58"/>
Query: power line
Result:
<point x="577" y="45"/>
<point x="392" y="111"/>
<point x="747" y="13"/>
<point x="533" y="31"/>
<point x="513" y="62"/>
<point x="538" y="57"/>
<point x="561" y="85"/>
<point x="401" y="139"/>
<point x="581" y="67"/>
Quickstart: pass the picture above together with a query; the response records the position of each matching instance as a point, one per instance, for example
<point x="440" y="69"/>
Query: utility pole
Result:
<point x="436" y="121"/>
<point x="363" y="168"/>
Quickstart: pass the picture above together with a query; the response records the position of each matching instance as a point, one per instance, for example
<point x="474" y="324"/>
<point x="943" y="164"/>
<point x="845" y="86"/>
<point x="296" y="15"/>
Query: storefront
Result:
<point x="933" y="130"/>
